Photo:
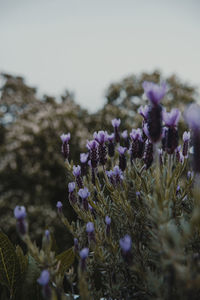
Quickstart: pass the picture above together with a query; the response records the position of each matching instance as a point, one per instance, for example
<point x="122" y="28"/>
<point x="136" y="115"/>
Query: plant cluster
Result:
<point x="136" y="201"/>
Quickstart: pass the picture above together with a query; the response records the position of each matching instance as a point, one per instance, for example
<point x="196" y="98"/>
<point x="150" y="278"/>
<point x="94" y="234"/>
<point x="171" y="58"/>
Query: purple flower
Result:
<point x="65" y="137"/>
<point x="84" y="253"/>
<point x="59" y="206"/>
<point x="186" y="136"/>
<point x="192" y="116"/>
<point x="124" y="134"/>
<point x="84" y="157"/>
<point x="171" y="119"/>
<point x="116" y="123"/>
<point x="143" y="111"/>
<point x="20" y="215"/>
<point x="125" y="243"/>
<point x="47" y="234"/>
<point x="44" y="278"/>
<point x="154" y="92"/>
<point x="101" y="136"/>
<point x="138" y="194"/>
<point x="92" y="145"/>
<point x="108" y="220"/>
<point x="111" y="137"/>
<point x="76" y="171"/>
<point x="118" y="174"/>
<point x="20" y="212"/>
<point x="71" y="186"/>
<point x="136" y="134"/>
<point x="90" y="227"/>
<point x="121" y="150"/>
<point x="84" y="193"/>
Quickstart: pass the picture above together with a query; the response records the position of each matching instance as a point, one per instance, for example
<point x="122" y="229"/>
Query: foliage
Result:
<point x="161" y="219"/>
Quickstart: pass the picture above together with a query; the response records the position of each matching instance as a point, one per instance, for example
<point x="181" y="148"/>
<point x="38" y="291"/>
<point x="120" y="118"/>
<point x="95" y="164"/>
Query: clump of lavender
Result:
<point x="20" y="215"/>
<point x="65" y="144"/>
<point x="154" y="93"/>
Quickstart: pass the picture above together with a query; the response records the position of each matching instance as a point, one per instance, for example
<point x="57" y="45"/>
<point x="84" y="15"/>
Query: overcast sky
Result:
<point x="84" y="45"/>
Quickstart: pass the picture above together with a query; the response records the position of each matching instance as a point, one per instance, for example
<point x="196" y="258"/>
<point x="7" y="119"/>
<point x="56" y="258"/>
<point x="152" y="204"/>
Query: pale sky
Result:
<point x="84" y="45"/>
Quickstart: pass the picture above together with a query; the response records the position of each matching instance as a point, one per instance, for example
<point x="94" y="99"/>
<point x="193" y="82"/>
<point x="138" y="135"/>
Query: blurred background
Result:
<point x="72" y="66"/>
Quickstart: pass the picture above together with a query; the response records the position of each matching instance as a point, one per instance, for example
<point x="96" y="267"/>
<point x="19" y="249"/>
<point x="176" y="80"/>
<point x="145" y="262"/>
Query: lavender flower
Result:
<point x="20" y="212"/>
<point x="65" y="146"/>
<point x="71" y="186"/>
<point x="84" y="163"/>
<point x="93" y="148"/>
<point x="43" y="280"/>
<point x="125" y="245"/>
<point x="186" y="139"/>
<point x="72" y="196"/>
<point x="111" y="145"/>
<point x="47" y="234"/>
<point x="83" y="255"/>
<point x="117" y="172"/>
<point x="101" y="137"/>
<point x="154" y="92"/>
<point x="115" y="124"/>
<point x="122" y="157"/>
<point x="77" y="175"/>
<point x="171" y="119"/>
<point x="59" y="206"/>
<point x="143" y="111"/>
<point x="90" y="232"/>
<point x="192" y="116"/>
<point x="20" y="215"/>
<point x="171" y="134"/>
<point x="126" y="138"/>
<point x="137" y="144"/>
<point x="84" y="194"/>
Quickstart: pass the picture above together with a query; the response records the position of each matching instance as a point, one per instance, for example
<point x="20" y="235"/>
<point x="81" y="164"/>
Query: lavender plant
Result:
<point x="137" y="234"/>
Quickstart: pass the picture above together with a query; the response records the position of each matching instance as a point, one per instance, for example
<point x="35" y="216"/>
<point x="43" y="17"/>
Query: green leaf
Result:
<point x="23" y="259"/>
<point x="9" y="265"/>
<point x="30" y="288"/>
<point x="66" y="259"/>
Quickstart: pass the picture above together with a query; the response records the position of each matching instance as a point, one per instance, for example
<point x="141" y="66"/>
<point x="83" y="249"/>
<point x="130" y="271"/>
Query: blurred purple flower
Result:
<point x="101" y="136"/>
<point x="20" y="212"/>
<point x="44" y="278"/>
<point x="125" y="243"/>
<point x="108" y="220"/>
<point x="116" y="123"/>
<point x="65" y="137"/>
<point x="89" y="227"/>
<point x="154" y="92"/>
<point x="121" y="150"/>
<point x="71" y="186"/>
<point x="192" y="116"/>
<point x="84" y="157"/>
<point x="84" y="193"/>
<point x="76" y="171"/>
<point x="124" y="134"/>
<point x="143" y="111"/>
<point x="171" y="119"/>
